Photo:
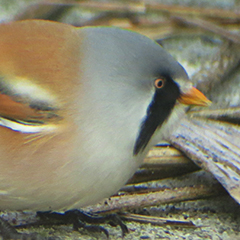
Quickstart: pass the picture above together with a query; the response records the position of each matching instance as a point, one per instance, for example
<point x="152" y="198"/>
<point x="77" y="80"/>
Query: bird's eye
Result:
<point x="159" y="83"/>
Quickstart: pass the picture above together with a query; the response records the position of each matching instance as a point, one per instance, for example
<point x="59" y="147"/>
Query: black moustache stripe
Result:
<point x="158" y="111"/>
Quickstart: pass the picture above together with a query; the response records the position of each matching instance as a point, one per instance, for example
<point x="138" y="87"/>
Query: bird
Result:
<point x="80" y="107"/>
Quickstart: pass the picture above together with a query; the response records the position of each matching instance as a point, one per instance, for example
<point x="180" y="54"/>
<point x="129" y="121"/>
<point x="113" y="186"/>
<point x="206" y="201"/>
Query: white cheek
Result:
<point x="171" y="124"/>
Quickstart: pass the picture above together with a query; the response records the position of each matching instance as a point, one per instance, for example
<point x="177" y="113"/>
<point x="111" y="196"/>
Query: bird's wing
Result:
<point x="35" y="82"/>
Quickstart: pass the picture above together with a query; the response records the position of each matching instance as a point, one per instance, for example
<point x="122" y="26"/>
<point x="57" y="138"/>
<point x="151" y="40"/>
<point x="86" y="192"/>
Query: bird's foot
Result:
<point x="78" y="217"/>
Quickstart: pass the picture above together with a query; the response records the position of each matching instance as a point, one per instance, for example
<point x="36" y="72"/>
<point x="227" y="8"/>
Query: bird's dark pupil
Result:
<point x="160" y="83"/>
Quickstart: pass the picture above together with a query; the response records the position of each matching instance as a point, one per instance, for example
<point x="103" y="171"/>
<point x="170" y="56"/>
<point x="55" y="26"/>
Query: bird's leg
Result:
<point x="78" y="217"/>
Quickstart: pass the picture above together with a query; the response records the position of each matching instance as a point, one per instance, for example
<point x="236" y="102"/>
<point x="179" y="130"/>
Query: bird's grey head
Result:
<point x="143" y="70"/>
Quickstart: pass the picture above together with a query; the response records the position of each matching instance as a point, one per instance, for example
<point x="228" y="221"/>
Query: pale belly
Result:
<point x="45" y="173"/>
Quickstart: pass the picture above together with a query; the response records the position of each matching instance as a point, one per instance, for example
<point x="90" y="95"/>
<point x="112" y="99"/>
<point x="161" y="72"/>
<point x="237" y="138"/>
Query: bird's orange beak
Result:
<point x="194" y="97"/>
